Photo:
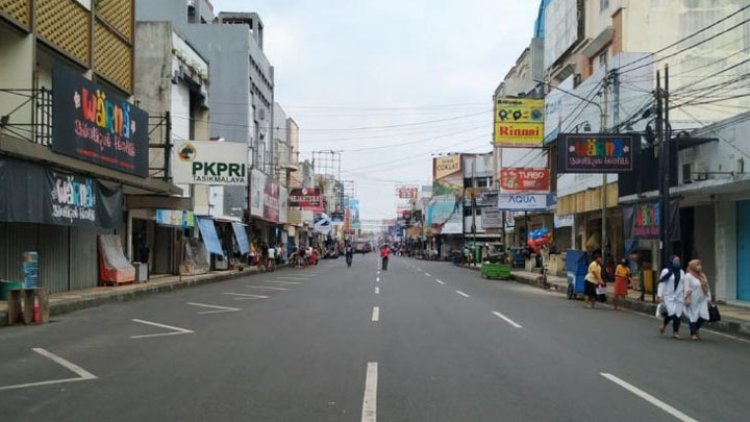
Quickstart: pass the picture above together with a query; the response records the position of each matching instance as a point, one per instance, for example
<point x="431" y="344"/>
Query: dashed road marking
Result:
<point x="441" y="282"/>
<point x="649" y="398"/>
<point x="267" y="288"/>
<point x="377" y="290"/>
<point x="506" y="319"/>
<point x="370" y="399"/>
<point x="243" y="296"/>
<point x="428" y="274"/>
<point x="462" y="293"/>
<point x="376" y="313"/>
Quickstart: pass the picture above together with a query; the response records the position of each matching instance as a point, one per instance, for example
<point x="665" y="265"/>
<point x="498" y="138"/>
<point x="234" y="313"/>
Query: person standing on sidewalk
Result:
<point x="697" y="296"/>
<point x="593" y="280"/>
<point x="622" y="279"/>
<point x="671" y="294"/>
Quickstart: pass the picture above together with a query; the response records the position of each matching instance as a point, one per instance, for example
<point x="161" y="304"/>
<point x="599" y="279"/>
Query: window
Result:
<point x="603" y="59"/>
<point x="603" y="5"/>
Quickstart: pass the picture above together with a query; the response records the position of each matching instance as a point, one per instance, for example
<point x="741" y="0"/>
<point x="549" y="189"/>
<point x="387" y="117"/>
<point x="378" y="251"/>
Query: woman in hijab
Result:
<point x="671" y="294"/>
<point x="697" y="296"/>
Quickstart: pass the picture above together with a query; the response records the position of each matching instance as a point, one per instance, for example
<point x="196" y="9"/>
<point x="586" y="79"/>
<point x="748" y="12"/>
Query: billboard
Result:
<point x="519" y="122"/>
<point x="94" y="124"/>
<point x="210" y="163"/>
<point x="447" y="176"/>
<point x="597" y="153"/>
<point x="529" y="180"/>
<point x="308" y="199"/>
<point x="561" y="29"/>
<point x="445" y="215"/>
<point x="407" y="192"/>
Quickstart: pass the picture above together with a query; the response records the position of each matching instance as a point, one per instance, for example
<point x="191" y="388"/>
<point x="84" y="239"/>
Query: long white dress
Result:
<point x="698" y="308"/>
<point x="673" y="297"/>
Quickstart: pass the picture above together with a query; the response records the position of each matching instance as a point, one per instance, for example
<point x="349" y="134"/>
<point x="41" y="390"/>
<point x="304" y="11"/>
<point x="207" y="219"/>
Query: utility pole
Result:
<point x="664" y="134"/>
<point x="474" y="205"/>
<point x="603" y="129"/>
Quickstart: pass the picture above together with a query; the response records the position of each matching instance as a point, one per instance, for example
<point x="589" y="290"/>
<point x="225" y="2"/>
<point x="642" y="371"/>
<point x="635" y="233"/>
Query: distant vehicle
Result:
<point x="362" y="247"/>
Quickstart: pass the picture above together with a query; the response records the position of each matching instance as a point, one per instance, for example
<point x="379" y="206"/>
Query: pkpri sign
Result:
<point x="522" y="202"/>
<point x="210" y="163"/>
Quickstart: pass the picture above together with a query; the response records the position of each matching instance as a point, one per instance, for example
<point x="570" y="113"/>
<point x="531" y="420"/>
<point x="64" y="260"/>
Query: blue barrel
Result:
<point x="30" y="270"/>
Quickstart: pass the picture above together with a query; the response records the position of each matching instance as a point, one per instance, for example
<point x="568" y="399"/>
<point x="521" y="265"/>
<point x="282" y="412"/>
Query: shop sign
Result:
<point x="446" y="166"/>
<point x="307" y="199"/>
<point x="523" y="202"/>
<point x="491" y="218"/>
<point x="519" y="122"/>
<point x="94" y="124"/>
<point x="37" y="194"/>
<point x="528" y="180"/>
<point x="283" y="205"/>
<point x="175" y="218"/>
<point x="271" y="200"/>
<point x="210" y="163"/>
<point x="599" y="153"/>
<point x="643" y="221"/>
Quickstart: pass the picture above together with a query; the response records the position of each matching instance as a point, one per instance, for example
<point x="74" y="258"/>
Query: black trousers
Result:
<point x="385" y="263"/>
<point x="695" y="326"/>
<point x="675" y="322"/>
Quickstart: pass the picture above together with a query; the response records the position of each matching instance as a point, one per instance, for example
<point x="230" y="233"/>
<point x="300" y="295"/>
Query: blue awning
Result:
<point x="210" y="238"/>
<point x="241" y="235"/>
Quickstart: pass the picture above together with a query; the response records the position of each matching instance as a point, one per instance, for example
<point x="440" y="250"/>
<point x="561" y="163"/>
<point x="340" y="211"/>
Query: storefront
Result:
<point x="59" y="215"/>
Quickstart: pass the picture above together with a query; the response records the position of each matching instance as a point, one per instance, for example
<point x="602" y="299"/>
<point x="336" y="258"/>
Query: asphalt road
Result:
<point x="424" y="341"/>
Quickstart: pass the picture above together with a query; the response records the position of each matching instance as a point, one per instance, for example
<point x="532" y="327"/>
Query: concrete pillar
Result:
<point x="726" y="249"/>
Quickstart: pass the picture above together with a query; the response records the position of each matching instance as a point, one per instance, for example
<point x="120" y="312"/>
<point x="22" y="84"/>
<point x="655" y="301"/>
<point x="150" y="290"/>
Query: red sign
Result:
<point x="307" y="199"/>
<point x="513" y="179"/>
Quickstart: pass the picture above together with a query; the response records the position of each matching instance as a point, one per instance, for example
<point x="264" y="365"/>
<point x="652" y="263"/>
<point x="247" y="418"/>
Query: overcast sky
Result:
<point x="344" y="69"/>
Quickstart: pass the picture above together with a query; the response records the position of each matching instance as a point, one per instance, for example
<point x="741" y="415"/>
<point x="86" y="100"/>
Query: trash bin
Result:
<point x="7" y="286"/>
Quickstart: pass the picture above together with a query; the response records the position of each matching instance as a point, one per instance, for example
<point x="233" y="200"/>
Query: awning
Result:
<point x="210" y="238"/>
<point x="241" y="235"/>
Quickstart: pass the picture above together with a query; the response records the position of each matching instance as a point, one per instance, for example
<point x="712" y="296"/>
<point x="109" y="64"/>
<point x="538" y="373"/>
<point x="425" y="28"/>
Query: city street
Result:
<point x="423" y="341"/>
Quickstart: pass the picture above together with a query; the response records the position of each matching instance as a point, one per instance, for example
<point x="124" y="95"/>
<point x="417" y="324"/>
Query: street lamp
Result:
<point x="603" y="129"/>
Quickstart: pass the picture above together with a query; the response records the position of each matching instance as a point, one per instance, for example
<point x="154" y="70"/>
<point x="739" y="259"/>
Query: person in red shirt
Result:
<point x="385" y="251"/>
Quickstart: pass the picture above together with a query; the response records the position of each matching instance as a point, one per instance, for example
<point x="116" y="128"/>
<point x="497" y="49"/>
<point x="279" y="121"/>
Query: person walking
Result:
<point x="593" y="280"/>
<point x="622" y="278"/>
<point x="349" y="251"/>
<point x="697" y="297"/>
<point x="671" y="295"/>
<point x="385" y="251"/>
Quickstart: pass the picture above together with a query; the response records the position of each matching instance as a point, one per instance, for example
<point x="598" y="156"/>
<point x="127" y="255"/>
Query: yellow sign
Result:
<point x="519" y="122"/>
<point x="519" y="134"/>
<point x="445" y="166"/>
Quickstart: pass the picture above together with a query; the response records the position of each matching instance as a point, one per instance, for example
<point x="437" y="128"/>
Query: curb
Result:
<point x="734" y="327"/>
<point x="71" y="305"/>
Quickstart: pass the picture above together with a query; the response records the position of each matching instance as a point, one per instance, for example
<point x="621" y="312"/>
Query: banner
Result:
<point x="407" y="192"/>
<point x="271" y="200"/>
<point x="643" y="221"/>
<point x="37" y="194"/>
<point x="257" y="188"/>
<point x="283" y="205"/>
<point x="210" y="163"/>
<point x="598" y="153"/>
<point x="240" y="234"/>
<point x="94" y="124"/>
<point x="175" y="218"/>
<point x="527" y="180"/>
<point x="519" y="122"/>
<point x="445" y="215"/>
<point x="308" y="199"/>
<point x="523" y="202"/>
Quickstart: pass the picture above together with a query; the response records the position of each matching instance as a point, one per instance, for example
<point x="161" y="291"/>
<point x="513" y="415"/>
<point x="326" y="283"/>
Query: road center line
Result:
<point x="508" y="320"/>
<point x="462" y="293"/>
<point x="376" y="313"/>
<point x="649" y="398"/>
<point x="175" y="330"/>
<point x="83" y="375"/>
<point x="377" y="290"/>
<point x="370" y="399"/>
<point x="428" y="274"/>
<point x="440" y="282"/>
<point x="377" y="280"/>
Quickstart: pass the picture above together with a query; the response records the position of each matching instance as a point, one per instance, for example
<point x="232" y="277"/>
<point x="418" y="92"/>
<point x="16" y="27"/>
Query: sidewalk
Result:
<point x="65" y="302"/>
<point x="734" y="320"/>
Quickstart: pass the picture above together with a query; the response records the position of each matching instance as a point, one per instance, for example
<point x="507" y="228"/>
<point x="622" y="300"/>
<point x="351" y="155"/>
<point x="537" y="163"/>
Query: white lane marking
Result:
<point x="462" y="293"/>
<point x="649" y="398"/>
<point x="377" y="290"/>
<point x="175" y="330"/>
<point x="83" y="375"/>
<point x="286" y="283"/>
<point x="440" y="282"/>
<point x="219" y="309"/>
<point x="428" y="274"/>
<point x="376" y="313"/>
<point x="243" y="296"/>
<point x="294" y="278"/>
<point x="377" y="280"/>
<point x="370" y="399"/>
<point x="728" y="336"/>
<point x="378" y="272"/>
<point x="506" y="319"/>
<point x="267" y="288"/>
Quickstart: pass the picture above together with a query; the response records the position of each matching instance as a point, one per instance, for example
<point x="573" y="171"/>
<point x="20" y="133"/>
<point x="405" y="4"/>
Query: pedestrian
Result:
<point x="697" y="297"/>
<point x="593" y="280"/>
<point x="622" y="278"/>
<point x="671" y="295"/>
<point x="385" y="251"/>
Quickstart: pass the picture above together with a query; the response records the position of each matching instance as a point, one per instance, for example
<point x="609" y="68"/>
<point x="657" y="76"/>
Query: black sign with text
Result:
<point x="597" y="153"/>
